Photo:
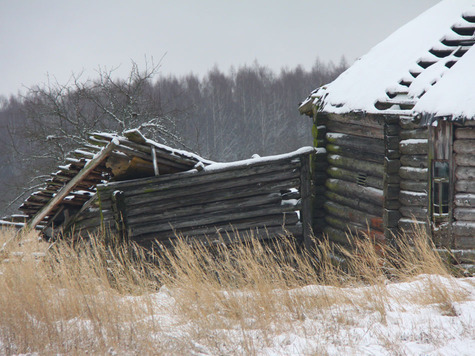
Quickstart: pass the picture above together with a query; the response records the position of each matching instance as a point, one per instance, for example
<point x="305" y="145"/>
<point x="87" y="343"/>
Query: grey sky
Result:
<point x="64" y="36"/>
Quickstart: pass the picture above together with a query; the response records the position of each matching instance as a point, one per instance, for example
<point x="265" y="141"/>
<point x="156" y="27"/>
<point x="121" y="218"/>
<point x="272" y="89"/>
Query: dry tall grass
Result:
<point x="87" y="297"/>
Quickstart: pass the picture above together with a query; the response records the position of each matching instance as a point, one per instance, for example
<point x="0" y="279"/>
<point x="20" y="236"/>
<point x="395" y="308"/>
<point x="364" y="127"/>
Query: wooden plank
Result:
<point x="413" y="198"/>
<point x="418" y="212"/>
<point x="413" y="186"/>
<point x="375" y="121"/>
<point x="355" y="154"/>
<point x="369" y="168"/>
<point x="465" y="186"/>
<point x="414" y="147"/>
<point x="414" y="133"/>
<point x="372" y="195"/>
<point x="465" y="173"/>
<point x="464" y="228"/>
<point x="414" y="174"/>
<point x="63" y="192"/>
<point x="364" y="144"/>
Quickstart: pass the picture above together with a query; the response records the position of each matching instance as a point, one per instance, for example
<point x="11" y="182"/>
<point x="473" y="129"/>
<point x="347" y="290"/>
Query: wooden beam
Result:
<point x="155" y="161"/>
<point x="63" y="192"/>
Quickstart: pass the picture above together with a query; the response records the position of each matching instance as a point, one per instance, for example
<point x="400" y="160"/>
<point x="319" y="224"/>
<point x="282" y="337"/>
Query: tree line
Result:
<point x="222" y="116"/>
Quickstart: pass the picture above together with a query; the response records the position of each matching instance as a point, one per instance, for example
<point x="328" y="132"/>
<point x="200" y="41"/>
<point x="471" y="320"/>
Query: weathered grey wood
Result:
<point x="354" y="203"/>
<point x="465" y="173"/>
<point x="466" y="214"/>
<point x="352" y="228"/>
<point x="135" y="135"/>
<point x="465" y="186"/>
<point x="191" y="207"/>
<point x="337" y="235"/>
<point x="414" y="174"/>
<point x="364" y="144"/>
<point x="418" y="212"/>
<point x="465" y="200"/>
<point x="418" y="161"/>
<point x="413" y="198"/>
<point x="369" y="168"/>
<point x="415" y="133"/>
<point x="238" y="194"/>
<point x="465" y="146"/>
<point x="273" y="216"/>
<point x="155" y="162"/>
<point x="356" y="130"/>
<point x="62" y="193"/>
<point x="351" y="176"/>
<point x="463" y="228"/>
<point x="467" y="160"/>
<point x="372" y="195"/>
<point x="465" y="133"/>
<point x="409" y="123"/>
<point x="414" y="147"/>
<point x="464" y="243"/>
<point x="376" y="121"/>
<point x="355" y="154"/>
<point x="414" y="186"/>
<point x="306" y="212"/>
<point x="409" y="225"/>
<point x="350" y="214"/>
<point x="229" y="172"/>
<point x="244" y="183"/>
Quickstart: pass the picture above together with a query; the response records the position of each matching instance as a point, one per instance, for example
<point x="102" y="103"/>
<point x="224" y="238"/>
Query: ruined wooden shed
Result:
<point x="394" y="159"/>
<point x="134" y="188"/>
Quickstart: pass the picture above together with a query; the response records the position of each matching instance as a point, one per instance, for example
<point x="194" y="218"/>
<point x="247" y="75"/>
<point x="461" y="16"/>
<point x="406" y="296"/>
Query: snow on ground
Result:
<point x="403" y="318"/>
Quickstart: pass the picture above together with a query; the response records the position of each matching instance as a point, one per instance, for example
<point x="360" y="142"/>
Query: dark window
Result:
<point x="440" y="189"/>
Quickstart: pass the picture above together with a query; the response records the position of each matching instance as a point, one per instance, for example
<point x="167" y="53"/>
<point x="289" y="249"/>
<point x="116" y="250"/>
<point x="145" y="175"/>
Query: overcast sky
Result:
<point x="64" y="36"/>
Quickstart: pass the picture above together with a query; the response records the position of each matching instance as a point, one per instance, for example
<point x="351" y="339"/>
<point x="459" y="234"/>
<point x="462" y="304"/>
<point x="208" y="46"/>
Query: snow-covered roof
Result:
<point x="405" y="66"/>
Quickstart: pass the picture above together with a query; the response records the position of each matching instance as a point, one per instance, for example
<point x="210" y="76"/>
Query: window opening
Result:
<point x="440" y="189"/>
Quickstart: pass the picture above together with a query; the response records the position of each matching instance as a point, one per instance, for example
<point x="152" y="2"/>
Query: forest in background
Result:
<point x="223" y="116"/>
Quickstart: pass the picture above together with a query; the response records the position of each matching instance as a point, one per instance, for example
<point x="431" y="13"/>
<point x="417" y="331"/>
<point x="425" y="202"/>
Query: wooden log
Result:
<point x="369" y="168"/>
<point x="358" y="143"/>
<point x="418" y="212"/>
<point x="355" y="154"/>
<point x="247" y="175"/>
<point x="285" y="180"/>
<point x="466" y="214"/>
<point x="465" y="173"/>
<point x="464" y="228"/>
<point x="372" y="195"/>
<point x="465" y="133"/>
<point x="414" y="147"/>
<point x="408" y="123"/>
<point x="354" y="203"/>
<point x="464" y="243"/>
<point x="418" y="161"/>
<point x="465" y="146"/>
<point x="418" y="133"/>
<point x="409" y="198"/>
<point x="337" y="235"/>
<point x="350" y="176"/>
<point x="368" y="120"/>
<point x="191" y="207"/>
<point x="466" y="160"/>
<point x="465" y="186"/>
<point x="465" y="200"/>
<point x="352" y="228"/>
<point x="350" y="214"/>
<point x="419" y="186"/>
<point x="273" y="216"/>
<point x="409" y="225"/>
<point x="88" y="168"/>
<point x="414" y="174"/>
<point x="306" y="210"/>
<point x="355" y="130"/>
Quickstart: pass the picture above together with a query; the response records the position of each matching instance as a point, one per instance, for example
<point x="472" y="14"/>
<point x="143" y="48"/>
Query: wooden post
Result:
<point x="119" y="209"/>
<point x="63" y="192"/>
<point x="306" y="213"/>
<point x="155" y="162"/>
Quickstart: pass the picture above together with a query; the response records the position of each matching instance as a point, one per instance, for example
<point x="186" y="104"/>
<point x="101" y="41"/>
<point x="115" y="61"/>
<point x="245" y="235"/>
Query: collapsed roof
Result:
<point x="407" y="66"/>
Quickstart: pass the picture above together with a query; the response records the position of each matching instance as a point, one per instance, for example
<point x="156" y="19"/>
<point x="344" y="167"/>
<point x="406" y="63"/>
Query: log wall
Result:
<point x="463" y="227"/>
<point x="271" y="196"/>
<point x="414" y="174"/>
<point x="353" y="198"/>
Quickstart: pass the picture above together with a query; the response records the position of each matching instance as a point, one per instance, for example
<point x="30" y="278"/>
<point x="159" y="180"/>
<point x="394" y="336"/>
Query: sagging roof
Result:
<point x="108" y="157"/>
<point x="400" y="70"/>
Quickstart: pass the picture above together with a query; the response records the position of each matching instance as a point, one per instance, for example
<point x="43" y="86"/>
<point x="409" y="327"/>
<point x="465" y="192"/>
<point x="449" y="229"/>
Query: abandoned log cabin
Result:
<point x="399" y="131"/>
<point x="140" y="190"/>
